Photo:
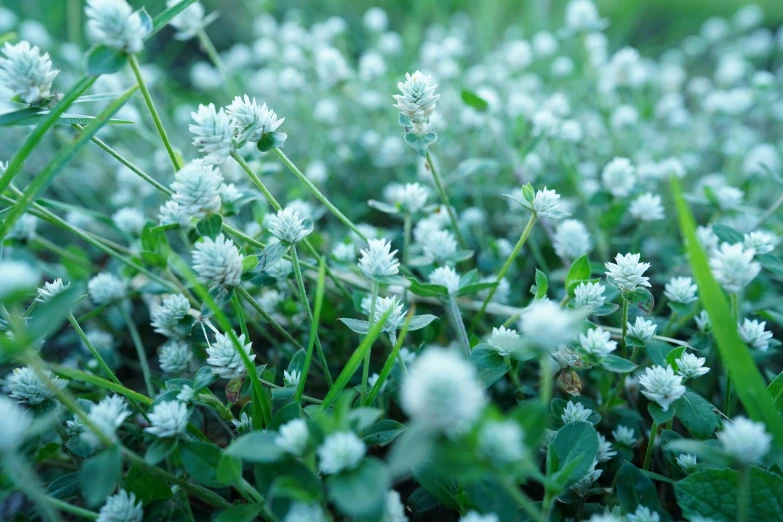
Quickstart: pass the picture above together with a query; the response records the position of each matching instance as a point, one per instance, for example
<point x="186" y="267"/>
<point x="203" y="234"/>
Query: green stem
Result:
<point x="91" y="348"/>
<point x="728" y="399"/>
<point x="268" y="318"/>
<point x="256" y="181"/>
<point x="140" y="352"/>
<point x="153" y="112"/>
<point x="504" y="270"/>
<point x="319" y="300"/>
<point x="69" y="508"/>
<point x="217" y="61"/>
<point x="393" y="356"/>
<point x="444" y="198"/>
<point x="309" y="312"/>
<point x="376" y="287"/>
<point x="240" y="315"/>
<point x="650" y="445"/>
<point x="625" y="328"/>
<point x="262" y="409"/>
<point x="459" y="325"/>
<point x="522" y="500"/>
<point x="545" y="388"/>
<point x="65" y="254"/>
<point x="743" y="499"/>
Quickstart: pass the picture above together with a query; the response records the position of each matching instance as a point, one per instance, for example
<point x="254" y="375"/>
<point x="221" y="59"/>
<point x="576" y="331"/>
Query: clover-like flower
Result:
<point x="340" y="451"/>
<point x="619" y="177"/>
<point x="108" y="415"/>
<point x="680" y="290"/>
<point x="27" y="72"/>
<point x="224" y="358"/>
<point x="641" y="329"/>
<point x="446" y="276"/>
<point x="378" y="260"/>
<point x="417" y="101"/>
<point x="213" y="133"/>
<point x="590" y="295"/>
<point x="113" y="23"/>
<point x="251" y="120"/>
<point x="50" y="290"/>
<point x="733" y="266"/>
<point x="625" y="436"/>
<point x="647" y="207"/>
<point x="575" y="412"/>
<point x="106" y="288"/>
<point x="121" y="507"/>
<point x="26" y="386"/>
<point x="190" y="21"/>
<point x="690" y="366"/>
<point x="167" y="315"/>
<point x="760" y="241"/>
<point x="196" y="190"/>
<point x="14" y="426"/>
<point x="288" y="227"/>
<point x="546" y="204"/>
<point x="175" y="357"/>
<point x="744" y="440"/>
<point x="626" y="272"/>
<point x="687" y="462"/>
<point x="293" y="436"/>
<point x="218" y="261"/>
<point x="753" y="334"/>
<point x="597" y="342"/>
<point x="571" y="239"/>
<point x="503" y="340"/>
<point x="662" y="385"/>
<point x="169" y="419"/>
<point x="502" y="442"/>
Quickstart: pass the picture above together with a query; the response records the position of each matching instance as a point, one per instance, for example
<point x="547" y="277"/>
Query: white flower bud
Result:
<point x="175" y="357"/>
<point x="446" y="276"/>
<point x="417" y="101"/>
<point x="293" y="436"/>
<point x="625" y="436"/>
<point x="196" y="190"/>
<point x="439" y="247"/>
<point x="502" y="442"/>
<point x="213" y="132"/>
<point x="733" y="266"/>
<point x="287" y="226"/>
<point x="340" y="451"/>
<point x="745" y="440"/>
<point x="753" y="334"/>
<point x="121" y="507"/>
<point x="224" y="358"/>
<point x="760" y="241"/>
<point x="188" y="22"/>
<point x="25" y="386"/>
<point x="681" y="290"/>
<point x="218" y="261"/>
<point x="575" y="412"/>
<point x="619" y="177"/>
<point x="503" y="340"/>
<point x="169" y="419"/>
<point x="377" y="260"/>
<point x="130" y="220"/>
<point x="252" y="121"/>
<point x="647" y="207"/>
<point x="687" y="462"/>
<point x="590" y="295"/>
<point x="51" y="290"/>
<point x="108" y="415"/>
<point x="572" y="240"/>
<point x="626" y="272"/>
<point x="642" y="329"/>
<point x="113" y="23"/>
<point x="26" y="72"/>
<point x="106" y="288"/>
<point x="166" y="315"/>
<point x="690" y="366"/>
<point x="597" y="342"/>
<point x="662" y="385"/>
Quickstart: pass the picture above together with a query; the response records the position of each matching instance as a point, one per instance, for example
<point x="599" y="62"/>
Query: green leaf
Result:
<point x="437" y="483"/>
<point x="616" y="364"/>
<point x="697" y="415"/>
<point x="361" y="493"/>
<point x="270" y="255"/>
<point x="420" y="143"/>
<point x="200" y="460"/>
<point x="474" y="288"/>
<point x="356" y="325"/>
<point x="272" y="140"/>
<point x="249" y="263"/>
<point x="100" y="474"/>
<point x="727" y="234"/>
<point x="640" y="297"/>
<point x="575" y="446"/>
<point x="426" y="289"/>
<point x="288" y="412"/>
<point x="578" y="273"/>
<point x="15" y="117"/>
<point x="210" y="226"/>
<point x="160" y="21"/>
<point x="489" y="496"/>
<point x="541" y="286"/>
<point x="383" y="432"/>
<point x="472" y="99"/>
<point x="146" y="486"/>
<point x="658" y="415"/>
<point x="65" y="487"/>
<point x="421" y="321"/>
<point x="221" y="296"/>
<point x="160" y="449"/>
<point x="734" y="354"/>
<point x="775" y="390"/>
<point x="676" y="353"/>
<point x="257" y="446"/>
<point x="772" y="263"/>
<point x="635" y="489"/>
<point x="712" y="494"/>
<point x="203" y="378"/>
<point x="105" y="60"/>
<point x="240" y="513"/>
<point x="490" y="365"/>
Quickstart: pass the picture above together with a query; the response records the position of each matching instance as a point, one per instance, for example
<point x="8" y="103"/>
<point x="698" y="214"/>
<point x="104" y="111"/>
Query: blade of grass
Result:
<point x="160" y="21"/>
<point x="734" y="354"/>
<point x="389" y="364"/>
<point x="319" y="301"/>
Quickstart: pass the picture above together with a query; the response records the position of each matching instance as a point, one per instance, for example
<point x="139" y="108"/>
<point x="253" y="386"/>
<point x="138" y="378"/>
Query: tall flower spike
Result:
<point x="218" y="261"/>
<point x="213" y="132"/>
<point x="113" y="23"/>
<point x="27" y="72"/>
<point x="417" y="101"/>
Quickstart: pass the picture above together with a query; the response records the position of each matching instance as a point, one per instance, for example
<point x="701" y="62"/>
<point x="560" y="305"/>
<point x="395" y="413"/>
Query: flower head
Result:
<point x="475" y="516"/>
<point x="15" y="277"/>
<point x="597" y="342"/>
<point x="746" y="441"/>
<point x="113" y="23"/>
<point x="571" y="239"/>
<point x="14" y="425"/>
<point x="417" y="101"/>
<point x="681" y="290"/>
<point x="575" y="412"/>
<point x="288" y="227"/>
<point x="590" y="295"/>
<point x="213" y="133"/>
<point x="394" y="510"/>
<point x="605" y="450"/>
<point x="27" y="72"/>
<point x="626" y="272"/>
<point x="106" y="288"/>
<point x="251" y="120"/>
<point x="546" y="325"/>
<point x="175" y="357"/>
<point x="502" y="442"/>
<point x="690" y="366"/>
<point x="503" y="340"/>
<point x="642" y="329"/>
<point x="291" y="379"/>
<point x="218" y="261"/>
<point x="703" y="321"/>
<point x="733" y="266"/>
<point x="167" y="315"/>
<point x="662" y="385"/>
<point x="753" y="333"/>
<point x="26" y="386"/>
<point x="244" y="424"/>
<point x="340" y="451"/>
<point x="411" y="197"/>
<point x="687" y="462"/>
<point x="196" y="190"/>
<point x="619" y="177"/>
<point x="446" y="276"/>
<point x="625" y="436"/>
<point x="396" y="308"/>
<point x="169" y="419"/>
<point x="293" y="436"/>
<point x="647" y="207"/>
<point x="108" y="415"/>
<point x="643" y="514"/>
<point x="439" y="247"/>
<point x="760" y="241"/>
<point x="545" y="204"/>
<point x="301" y="512"/>
<point x="582" y="15"/>
<point x="51" y="290"/>
<point x="377" y="260"/>
<point x="224" y="358"/>
<point x="188" y="22"/>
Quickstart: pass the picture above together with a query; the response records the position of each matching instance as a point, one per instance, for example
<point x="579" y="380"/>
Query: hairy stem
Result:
<point x="140" y="352"/>
<point x="444" y="198"/>
<point x="376" y="287"/>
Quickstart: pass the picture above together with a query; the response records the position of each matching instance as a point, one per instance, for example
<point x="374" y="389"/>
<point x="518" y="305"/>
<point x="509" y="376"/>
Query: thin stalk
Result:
<point x="743" y="499"/>
<point x="727" y="402"/>
<point x="406" y="246"/>
<point x="522" y="500"/>
<point x="770" y="212"/>
<point x="153" y="112"/>
<point x="319" y="300"/>
<point x="650" y="444"/>
<point x="256" y="181"/>
<point x="140" y="352"/>
<point x="459" y="325"/>
<point x="268" y="318"/>
<point x="262" y="410"/>
<point x="545" y="387"/>
<point x="504" y="270"/>
<point x="66" y="254"/>
<point x="91" y="348"/>
<point x="217" y="61"/>
<point x="317" y="193"/>
<point x="376" y="287"/>
<point x="69" y="508"/>
<point x="623" y="344"/>
<point x="393" y="356"/>
<point x="444" y="198"/>
<point x="240" y="316"/>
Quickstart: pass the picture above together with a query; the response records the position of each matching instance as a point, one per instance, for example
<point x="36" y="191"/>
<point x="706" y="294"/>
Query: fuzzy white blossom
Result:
<point x="647" y="207"/>
<point x="14" y="426"/>
<point x="439" y="247"/>
<point x="575" y="412"/>
<point x="546" y="204"/>
<point x="571" y="239"/>
<point x="293" y="436"/>
<point x="130" y="220"/>
<point x="661" y="385"/>
<point x="625" y="436"/>
<point x="442" y="392"/>
<point x="108" y="415"/>
<point x="590" y="295"/>
<point x="733" y="266"/>
<point x="168" y="419"/>
<point x="687" y="462"/>
<point x="703" y="321"/>
<point x="224" y="358"/>
<point x="597" y="342"/>
<point x="502" y="442"/>
<point x="396" y="310"/>
<point x="291" y="379"/>
<point x="172" y="213"/>
<point x="641" y="329"/>
<point x="218" y="261"/>
<point x="26" y="386"/>
<point x="643" y="514"/>
<point x="344" y="252"/>
<point x="417" y="101"/>
<point x="378" y="260"/>
<point x="605" y="449"/>
<point x="690" y="366"/>
<point x="106" y="288"/>
<point x="251" y="120"/>
<point x="394" y="510"/>
<point x="281" y="270"/>
<point x="744" y="440"/>
<point x="175" y="357"/>
<point x="626" y="272"/>
<point x="16" y="277"/>
<point x="546" y="325"/>
<point x="166" y="316"/>
<point x="340" y="451"/>
<point x="681" y="290"/>
<point x="196" y="190"/>
<point x="619" y="177"/>
<point x="213" y="133"/>
<point x="51" y="290"/>
<point x="113" y="23"/>
<point x="27" y="72"/>
<point x="287" y="226"/>
<point x="760" y="241"/>
<point x="503" y="340"/>
<point x="190" y="21"/>
<point x="121" y="507"/>
<point x="187" y="394"/>
<point x="753" y="334"/>
<point x="411" y="197"/>
<point x="582" y="15"/>
<point x="446" y="276"/>
<point x="244" y="424"/>
<point x="707" y="238"/>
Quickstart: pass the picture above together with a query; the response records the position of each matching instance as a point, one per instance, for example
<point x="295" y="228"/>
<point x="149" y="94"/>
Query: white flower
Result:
<point x="397" y="316"/>
<point x="619" y="177"/>
<point x="281" y="270"/>
<point x="287" y="226"/>
<point x="572" y="240"/>
<point x="244" y="424"/>
<point x="606" y="517"/>
<point x="643" y="514"/>
<point x="300" y="512"/>
<point x="575" y="412"/>
<point x="753" y="334"/>
<point x="291" y="378"/>
<point x="733" y="266"/>
<point x="166" y="315"/>
<point x="411" y="197"/>
<point x="597" y="342"/>
<point x="26" y="72"/>
<point x="224" y="358"/>
<point x="14" y="425"/>
<point x="687" y="462"/>
<point x="417" y="101"/>
<point x="503" y="340"/>
<point x="547" y="326"/>
<point x="627" y="271"/>
<point x="590" y="295"/>
<point x="172" y="213"/>
<point x="647" y="207"/>
<point x="582" y="15"/>
<point x="545" y="204"/>
<point x="394" y="511"/>
<point x="707" y="238"/>
<point x="681" y="290"/>
<point x="251" y="120"/>
<point x="662" y="385"/>
<point x="196" y="190"/>
<point x="344" y="252"/>
<point x="625" y="436"/>
<point x="51" y="290"/>
<point x="340" y="451"/>
<point x="113" y="23"/>
<point x="502" y="442"/>
<point x="690" y="366"/>
<point x="377" y="260"/>
<point x="25" y="386"/>
<point x="186" y="394"/>
<point x="745" y="440"/>
<point x="218" y="261"/>
<point x="703" y="321"/>
<point x="229" y="193"/>
<point x="474" y="516"/>
<point x="106" y="288"/>
<point x="760" y="241"/>
<point x="108" y="415"/>
<point x="605" y="450"/>
<point x="446" y="276"/>
<point x="213" y="132"/>
<point x="121" y="507"/>
<point x="25" y="227"/>
<point x="168" y="419"/>
<point x="729" y="198"/>
<point x="442" y="392"/>
<point x="293" y="436"/>
<point x="439" y="247"/>
<point x="16" y="277"/>
<point x="188" y="22"/>
<point x="100" y="340"/>
<point x="175" y="357"/>
<point x="130" y="220"/>
<point x="583" y="484"/>
<point x="375" y="19"/>
<point x="642" y="329"/>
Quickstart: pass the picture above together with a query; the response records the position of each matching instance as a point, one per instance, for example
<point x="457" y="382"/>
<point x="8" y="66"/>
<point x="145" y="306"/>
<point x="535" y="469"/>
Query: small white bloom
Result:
<point x="244" y="424"/>
<point x="572" y="240"/>
<point x="647" y="207"/>
<point x="287" y="226"/>
<point x="25" y="386"/>
<point x="597" y="342"/>
<point x="545" y="204"/>
<point x="166" y="315"/>
<point x="575" y="412"/>
<point x="188" y="22"/>
<point x="707" y="238"/>
<point x="703" y="321"/>
<point x="442" y="392"/>
<point x="394" y="510"/>
<point x="113" y="23"/>
<point x="300" y="512"/>
<point x="196" y="190"/>
<point x="14" y="425"/>
<point x="753" y="334"/>
<point x="377" y="260"/>
<point x="605" y="450"/>
<point x="619" y="177"/>
<point x="108" y="415"/>
<point x="583" y="484"/>
<point x="218" y="261"/>
<point x="51" y="290"/>
<point x="16" y="277"/>
<point x="625" y="436"/>
<point x="130" y="220"/>
<point x="224" y="358"/>
<point x="662" y="385"/>
<point x="681" y="290"/>
<point x="340" y="451"/>
<point x="172" y="213"/>
<point x="627" y="272"/>
<point x="25" y="227"/>
<point x="168" y="419"/>
<point x="251" y="120"/>
<point x="186" y="394"/>
<point x="687" y="462"/>
<point x="733" y="266"/>
<point x="281" y="270"/>
<point x="175" y="357"/>
<point x="760" y="241"/>
<point x="439" y="247"/>
<point x="446" y="276"/>
<point x="642" y="329"/>
<point x="121" y="507"/>
<point x="503" y="340"/>
<point x="643" y="514"/>
<point x="502" y="442"/>
<point x="27" y="72"/>
<point x="745" y="440"/>
<point x="590" y="295"/>
<point x="474" y="516"/>
<point x="396" y="317"/>
<point x="411" y="197"/>
<point x="106" y="288"/>
<point x="582" y="15"/>
<point x="213" y="132"/>
<point x="690" y="366"/>
<point x="344" y="252"/>
<point x="293" y="436"/>
<point x="417" y="101"/>
<point x="291" y="378"/>
<point x="229" y="193"/>
<point x="547" y="326"/>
